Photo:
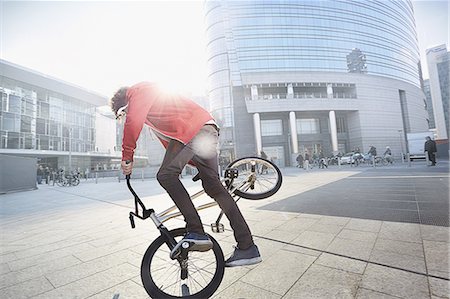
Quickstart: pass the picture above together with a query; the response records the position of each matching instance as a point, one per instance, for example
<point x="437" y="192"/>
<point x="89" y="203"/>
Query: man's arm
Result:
<point x="139" y="104"/>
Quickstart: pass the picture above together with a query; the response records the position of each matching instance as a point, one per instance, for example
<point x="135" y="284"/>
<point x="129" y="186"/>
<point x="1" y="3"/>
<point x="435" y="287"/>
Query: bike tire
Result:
<point x="265" y="177"/>
<point x="75" y="182"/>
<point x="60" y="183"/>
<point x="158" y="270"/>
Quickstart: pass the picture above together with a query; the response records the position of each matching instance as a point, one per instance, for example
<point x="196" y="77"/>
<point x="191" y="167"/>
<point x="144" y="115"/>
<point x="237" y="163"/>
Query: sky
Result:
<point x="103" y="45"/>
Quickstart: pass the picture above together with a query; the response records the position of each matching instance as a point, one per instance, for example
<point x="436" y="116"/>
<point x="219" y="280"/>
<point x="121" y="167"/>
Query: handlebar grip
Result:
<point x="132" y="221"/>
<point x="128" y="176"/>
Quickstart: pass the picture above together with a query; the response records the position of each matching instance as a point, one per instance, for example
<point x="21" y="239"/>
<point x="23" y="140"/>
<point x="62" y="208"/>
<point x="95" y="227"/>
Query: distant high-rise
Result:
<point x="293" y="76"/>
<point x="426" y="90"/>
<point x="439" y="69"/>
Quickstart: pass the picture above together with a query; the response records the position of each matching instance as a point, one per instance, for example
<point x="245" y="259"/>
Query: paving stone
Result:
<point x="299" y="249"/>
<point x="48" y="257"/>
<point x="341" y="263"/>
<point x="126" y="290"/>
<point x="27" y="289"/>
<point x="93" y="284"/>
<point x="7" y="257"/>
<point x="437" y="257"/>
<point x="439" y="287"/>
<point x="281" y="235"/>
<point x="435" y="233"/>
<point x="324" y="282"/>
<point x="231" y="276"/>
<point x="369" y="294"/>
<point x="332" y="220"/>
<point x="4" y="268"/>
<point x="12" y="278"/>
<point x="277" y="273"/>
<point x="315" y="240"/>
<point x="297" y="224"/>
<point x="80" y="271"/>
<point x="351" y="248"/>
<point x="403" y="261"/>
<point x="364" y="225"/>
<point x="400" y="247"/>
<point x="243" y="290"/>
<point x="325" y="228"/>
<point x="395" y="282"/>
<point x="357" y="235"/>
<point x="94" y="253"/>
<point x="400" y="231"/>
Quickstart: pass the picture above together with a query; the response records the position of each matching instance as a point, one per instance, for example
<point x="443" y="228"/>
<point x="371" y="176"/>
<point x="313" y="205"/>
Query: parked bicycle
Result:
<point x="65" y="180"/>
<point x="193" y="274"/>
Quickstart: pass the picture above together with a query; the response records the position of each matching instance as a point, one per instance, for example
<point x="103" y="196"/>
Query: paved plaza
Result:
<point x="348" y="232"/>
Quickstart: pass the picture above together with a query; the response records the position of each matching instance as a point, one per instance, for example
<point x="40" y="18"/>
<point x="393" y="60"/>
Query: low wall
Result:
<point x="17" y="173"/>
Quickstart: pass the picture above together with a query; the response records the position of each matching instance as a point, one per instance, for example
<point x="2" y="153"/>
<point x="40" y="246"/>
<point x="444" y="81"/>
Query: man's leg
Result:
<point x="207" y="165"/>
<point x="176" y="157"/>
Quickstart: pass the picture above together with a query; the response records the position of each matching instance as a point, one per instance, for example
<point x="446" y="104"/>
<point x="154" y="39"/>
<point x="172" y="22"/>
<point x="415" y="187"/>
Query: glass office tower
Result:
<point x="294" y="76"/>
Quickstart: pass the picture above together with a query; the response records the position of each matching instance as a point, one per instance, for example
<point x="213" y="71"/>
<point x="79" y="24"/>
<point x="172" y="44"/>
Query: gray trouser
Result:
<point x="202" y="150"/>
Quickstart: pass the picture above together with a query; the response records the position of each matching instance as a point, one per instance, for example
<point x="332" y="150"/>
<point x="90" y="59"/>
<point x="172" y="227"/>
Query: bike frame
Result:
<point x="160" y="218"/>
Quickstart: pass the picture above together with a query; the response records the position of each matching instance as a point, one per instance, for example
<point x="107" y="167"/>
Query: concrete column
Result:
<point x="290" y="91"/>
<point x="254" y="92"/>
<point x="329" y="91"/>
<point x="333" y="131"/>
<point x="257" y="126"/>
<point x="293" y="124"/>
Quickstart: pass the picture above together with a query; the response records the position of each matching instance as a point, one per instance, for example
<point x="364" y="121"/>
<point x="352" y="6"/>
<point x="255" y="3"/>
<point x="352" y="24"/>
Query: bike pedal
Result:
<point x="217" y="227"/>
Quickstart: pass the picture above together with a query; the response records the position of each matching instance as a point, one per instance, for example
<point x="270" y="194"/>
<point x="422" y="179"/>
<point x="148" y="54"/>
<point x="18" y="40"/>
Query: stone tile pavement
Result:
<point x="77" y="243"/>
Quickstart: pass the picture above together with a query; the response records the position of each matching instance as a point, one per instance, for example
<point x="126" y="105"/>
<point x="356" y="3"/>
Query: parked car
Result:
<point x="348" y="158"/>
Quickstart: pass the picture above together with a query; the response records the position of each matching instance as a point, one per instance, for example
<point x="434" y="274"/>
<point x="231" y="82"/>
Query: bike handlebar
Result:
<point x="137" y="201"/>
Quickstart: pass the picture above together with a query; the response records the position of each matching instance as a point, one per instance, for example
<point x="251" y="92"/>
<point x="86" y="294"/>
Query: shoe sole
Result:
<point x="244" y="262"/>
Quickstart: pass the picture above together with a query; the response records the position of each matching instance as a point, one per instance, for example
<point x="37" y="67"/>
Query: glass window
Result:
<point x="13" y="140"/>
<point x="25" y="124"/>
<point x="14" y="104"/>
<point x="308" y="126"/>
<point x="45" y="110"/>
<point x="10" y="122"/>
<point x="273" y="127"/>
<point x="40" y="126"/>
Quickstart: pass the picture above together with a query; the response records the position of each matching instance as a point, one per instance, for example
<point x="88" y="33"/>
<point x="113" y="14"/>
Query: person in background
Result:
<point x="431" y="149"/>
<point x="299" y="161"/>
<point x="39" y="174"/>
<point x="388" y="155"/>
<point x="190" y="135"/>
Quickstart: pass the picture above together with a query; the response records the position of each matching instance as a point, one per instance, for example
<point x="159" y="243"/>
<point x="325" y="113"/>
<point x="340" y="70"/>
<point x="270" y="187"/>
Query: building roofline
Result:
<point x="32" y="77"/>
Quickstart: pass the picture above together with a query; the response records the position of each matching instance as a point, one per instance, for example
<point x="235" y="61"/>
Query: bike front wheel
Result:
<point x="256" y="178"/>
<point x="161" y="275"/>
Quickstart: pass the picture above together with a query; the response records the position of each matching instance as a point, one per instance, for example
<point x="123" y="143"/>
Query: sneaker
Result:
<point x="192" y="242"/>
<point x="240" y="257"/>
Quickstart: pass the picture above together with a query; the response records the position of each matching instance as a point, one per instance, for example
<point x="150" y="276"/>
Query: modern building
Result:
<point x="427" y="92"/>
<point x="438" y="60"/>
<point x="54" y="121"/>
<point x="317" y="76"/>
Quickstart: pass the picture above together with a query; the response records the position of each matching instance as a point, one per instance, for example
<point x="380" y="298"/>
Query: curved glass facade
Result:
<point x="261" y="36"/>
<point x="306" y="36"/>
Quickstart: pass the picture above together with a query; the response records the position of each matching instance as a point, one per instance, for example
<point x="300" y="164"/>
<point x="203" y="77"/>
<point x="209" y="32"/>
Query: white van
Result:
<point x="416" y="144"/>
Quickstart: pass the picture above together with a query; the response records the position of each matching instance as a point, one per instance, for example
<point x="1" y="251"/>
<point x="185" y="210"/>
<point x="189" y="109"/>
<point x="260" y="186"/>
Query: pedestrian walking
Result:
<point x="430" y="149"/>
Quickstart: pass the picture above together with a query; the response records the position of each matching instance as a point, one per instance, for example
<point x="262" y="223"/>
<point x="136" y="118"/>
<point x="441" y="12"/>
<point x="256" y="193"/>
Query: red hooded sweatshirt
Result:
<point x="173" y="116"/>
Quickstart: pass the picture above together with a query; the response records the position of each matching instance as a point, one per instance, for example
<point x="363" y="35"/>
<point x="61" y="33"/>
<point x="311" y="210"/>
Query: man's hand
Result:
<point x="127" y="167"/>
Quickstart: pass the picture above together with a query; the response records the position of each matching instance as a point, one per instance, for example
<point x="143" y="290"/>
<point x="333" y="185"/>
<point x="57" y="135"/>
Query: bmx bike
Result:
<point x="193" y="274"/>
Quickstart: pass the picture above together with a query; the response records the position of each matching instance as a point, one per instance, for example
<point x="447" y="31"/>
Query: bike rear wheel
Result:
<point x="161" y="275"/>
<point x="257" y="178"/>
